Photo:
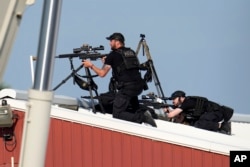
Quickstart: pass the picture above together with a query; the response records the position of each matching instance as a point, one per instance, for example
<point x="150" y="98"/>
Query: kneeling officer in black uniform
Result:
<point x="126" y="72"/>
<point x="201" y="112"/>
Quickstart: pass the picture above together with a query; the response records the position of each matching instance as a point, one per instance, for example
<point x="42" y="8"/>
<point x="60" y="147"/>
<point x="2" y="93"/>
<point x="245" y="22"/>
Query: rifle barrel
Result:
<point x="71" y="55"/>
<point x="92" y="56"/>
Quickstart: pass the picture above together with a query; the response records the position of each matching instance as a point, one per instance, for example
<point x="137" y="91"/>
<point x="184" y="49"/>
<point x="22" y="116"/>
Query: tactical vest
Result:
<point x="204" y="105"/>
<point x="130" y="60"/>
<point x="200" y="105"/>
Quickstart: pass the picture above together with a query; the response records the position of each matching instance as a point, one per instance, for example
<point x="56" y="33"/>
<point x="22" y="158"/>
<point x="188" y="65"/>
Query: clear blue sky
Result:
<point x="201" y="47"/>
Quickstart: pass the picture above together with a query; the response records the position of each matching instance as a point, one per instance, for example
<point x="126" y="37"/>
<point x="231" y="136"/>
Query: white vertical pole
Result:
<point x="32" y="69"/>
<point x="36" y="128"/>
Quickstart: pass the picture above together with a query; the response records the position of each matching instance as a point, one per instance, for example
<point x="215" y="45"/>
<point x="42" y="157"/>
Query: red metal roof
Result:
<point x="78" y="145"/>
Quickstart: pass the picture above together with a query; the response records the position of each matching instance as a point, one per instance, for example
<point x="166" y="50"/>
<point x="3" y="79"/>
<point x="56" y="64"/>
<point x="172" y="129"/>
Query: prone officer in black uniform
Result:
<point x="203" y="113"/>
<point x="129" y="83"/>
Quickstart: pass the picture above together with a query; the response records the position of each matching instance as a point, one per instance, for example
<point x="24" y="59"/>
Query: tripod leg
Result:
<point x="155" y="77"/>
<point x="156" y="80"/>
<point x="100" y="102"/>
<point x="89" y="80"/>
<point x="138" y="48"/>
<point x="68" y="77"/>
<point x="92" y="87"/>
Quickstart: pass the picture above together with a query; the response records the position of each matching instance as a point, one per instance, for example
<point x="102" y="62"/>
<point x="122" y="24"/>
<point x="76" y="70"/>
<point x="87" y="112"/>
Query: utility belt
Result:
<point x="124" y="84"/>
<point x="131" y="83"/>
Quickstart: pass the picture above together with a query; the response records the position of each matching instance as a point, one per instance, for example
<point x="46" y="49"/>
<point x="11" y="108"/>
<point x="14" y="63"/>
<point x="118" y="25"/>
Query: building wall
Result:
<point x="76" y="145"/>
<point x="10" y="149"/>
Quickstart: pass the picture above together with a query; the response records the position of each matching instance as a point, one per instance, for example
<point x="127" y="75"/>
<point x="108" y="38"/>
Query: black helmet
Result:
<point x="178" y="93"/>
<point x="117" y="36"/>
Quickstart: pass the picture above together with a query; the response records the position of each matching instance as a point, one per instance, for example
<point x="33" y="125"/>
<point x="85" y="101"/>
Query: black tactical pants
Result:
<point x="209" y="121"/>
<point x="127" y="96"/>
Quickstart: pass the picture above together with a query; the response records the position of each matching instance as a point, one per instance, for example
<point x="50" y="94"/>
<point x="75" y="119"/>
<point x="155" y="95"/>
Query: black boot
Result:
<point x="225" y="128"/>
<point x="148" y="119"/>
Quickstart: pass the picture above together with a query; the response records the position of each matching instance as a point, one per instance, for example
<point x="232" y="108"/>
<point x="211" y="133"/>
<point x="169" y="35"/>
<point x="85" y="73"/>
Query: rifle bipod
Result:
<point x="145" y="50"/>
<point x="89" y="85"/>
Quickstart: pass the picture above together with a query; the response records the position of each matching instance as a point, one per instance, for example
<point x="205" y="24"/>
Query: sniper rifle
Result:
<point x="154" y="101"/>
<point x="85" y="52"/>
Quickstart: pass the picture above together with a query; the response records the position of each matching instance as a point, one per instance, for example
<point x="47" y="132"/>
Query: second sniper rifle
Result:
<point x="154" y="101"/>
